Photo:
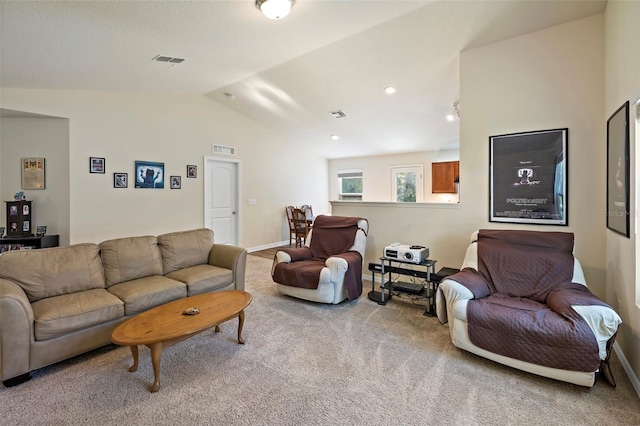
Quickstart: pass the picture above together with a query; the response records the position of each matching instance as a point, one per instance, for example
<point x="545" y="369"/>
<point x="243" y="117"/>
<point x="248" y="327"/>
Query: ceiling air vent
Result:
<point x="220" y="149"/>
<point x="338" y="114"/>
<point x="168" y="59"/>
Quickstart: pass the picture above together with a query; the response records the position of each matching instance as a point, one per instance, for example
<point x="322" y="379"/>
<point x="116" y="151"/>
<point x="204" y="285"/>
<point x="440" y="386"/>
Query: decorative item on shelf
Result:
<point x="96" y="165"/>
<point x="1" y="231"/>
<point x="41" y="231"/>
<point x="192" y="171"/>
<point x="19" y="218"/>
<point x="19" y="196"/>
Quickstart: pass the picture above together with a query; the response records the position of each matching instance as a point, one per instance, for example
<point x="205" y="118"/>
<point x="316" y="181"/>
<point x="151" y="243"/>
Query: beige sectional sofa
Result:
<point x="60" y="302"/>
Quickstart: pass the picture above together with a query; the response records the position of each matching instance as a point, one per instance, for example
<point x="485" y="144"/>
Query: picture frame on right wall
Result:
<point x="618" y="171"/>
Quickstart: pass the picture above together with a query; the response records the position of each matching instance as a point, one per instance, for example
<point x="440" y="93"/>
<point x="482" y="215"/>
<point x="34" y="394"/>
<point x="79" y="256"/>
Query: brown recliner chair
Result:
<point x="328" y="269"/>
<point x="521" y="299"/>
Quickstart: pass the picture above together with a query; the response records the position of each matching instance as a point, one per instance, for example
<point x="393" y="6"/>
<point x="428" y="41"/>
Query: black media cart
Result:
<point x="423" y="271"/>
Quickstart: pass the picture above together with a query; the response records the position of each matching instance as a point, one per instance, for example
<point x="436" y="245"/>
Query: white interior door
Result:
<point x="221" y="199"/>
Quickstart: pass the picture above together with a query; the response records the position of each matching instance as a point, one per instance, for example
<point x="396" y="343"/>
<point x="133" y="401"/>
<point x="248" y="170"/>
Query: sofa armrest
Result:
<point x="337" y="266"/>
<point x="16" y="330"/>
<point x="603" y="321"/>
<point x="451" y="295"/>
<point x="230" y="257"/>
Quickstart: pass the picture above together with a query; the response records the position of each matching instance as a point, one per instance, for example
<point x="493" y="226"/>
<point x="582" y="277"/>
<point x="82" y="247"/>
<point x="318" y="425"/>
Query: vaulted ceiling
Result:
<point x="287" y="75"/>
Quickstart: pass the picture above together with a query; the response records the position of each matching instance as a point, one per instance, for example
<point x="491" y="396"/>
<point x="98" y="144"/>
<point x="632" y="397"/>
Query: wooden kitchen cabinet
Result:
<point x="444" y="176"/>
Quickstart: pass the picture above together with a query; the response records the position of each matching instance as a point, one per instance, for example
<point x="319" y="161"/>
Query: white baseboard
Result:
<point x="627" y="368"/>
<point x="267" y="246"/>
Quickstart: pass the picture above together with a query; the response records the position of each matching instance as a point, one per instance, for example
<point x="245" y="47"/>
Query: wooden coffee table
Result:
<point x="165" y="325"/>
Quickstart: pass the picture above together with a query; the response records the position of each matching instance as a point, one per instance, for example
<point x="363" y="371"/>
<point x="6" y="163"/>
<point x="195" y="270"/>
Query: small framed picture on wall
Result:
<point x="176" y="182"/>
<point x="96" y="165"/>
<point x="120" y="180"/>
<point x="192" y="171"/>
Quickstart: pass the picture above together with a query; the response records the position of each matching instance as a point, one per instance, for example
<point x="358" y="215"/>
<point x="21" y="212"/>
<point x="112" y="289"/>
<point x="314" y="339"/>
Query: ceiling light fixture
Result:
<point x="335" y="137"/>
<point x="455" y="113"/>
<point x="275" y="9"/>
<point x="389" y="90"/>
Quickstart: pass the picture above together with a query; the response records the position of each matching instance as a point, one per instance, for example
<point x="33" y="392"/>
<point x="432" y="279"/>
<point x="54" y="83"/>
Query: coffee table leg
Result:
<point x="156" y="352"/>
<point x="134" y="352"/>
<point x="218" y="328"/>
<point x="240" y="325"/>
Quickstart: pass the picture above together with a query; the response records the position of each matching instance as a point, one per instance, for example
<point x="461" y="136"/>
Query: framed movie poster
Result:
<point x="149" y="174"/>
<point x="618" y="171"/>
<point x="528" y="177"/>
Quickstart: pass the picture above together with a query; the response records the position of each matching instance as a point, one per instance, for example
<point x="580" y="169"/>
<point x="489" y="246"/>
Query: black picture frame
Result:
<point x="192" y="171"/>
<point x="175" y="182"/>
<point x="149" y="174"/>
<point x="120" y="180"/>
<point x="618" y="176"/>
<point x="97" y="165"/>
<point x="528" y="177"/>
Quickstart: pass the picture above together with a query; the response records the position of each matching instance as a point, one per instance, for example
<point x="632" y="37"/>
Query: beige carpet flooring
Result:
<point x="303" y="363"/>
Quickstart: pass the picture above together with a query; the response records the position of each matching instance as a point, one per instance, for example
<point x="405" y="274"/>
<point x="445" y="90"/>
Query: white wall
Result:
<point x="177" y="130"/>
<point x="542" y="80"/>
<point x="376" y="172"/>
<point x="38" y="137"/>
<point x="622" y="83"/>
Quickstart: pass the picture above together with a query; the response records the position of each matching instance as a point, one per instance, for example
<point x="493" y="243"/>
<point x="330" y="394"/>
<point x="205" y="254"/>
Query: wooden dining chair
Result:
<point x="308" y="212"/>
<point x="301" y="227"/>
<point x="292" y="229"/>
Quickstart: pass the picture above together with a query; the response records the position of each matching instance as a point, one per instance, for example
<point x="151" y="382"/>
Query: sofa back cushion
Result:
<point x="127" y="259"/>
<point x="185" y="249"/>
<point x="54" y="271"/>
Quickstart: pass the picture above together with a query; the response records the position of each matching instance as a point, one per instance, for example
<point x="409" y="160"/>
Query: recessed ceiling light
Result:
<point x="229" y="96"/>
<point x="335" y="137"/>
<point x="389" y="90"/>
<point x="450" y="117"/>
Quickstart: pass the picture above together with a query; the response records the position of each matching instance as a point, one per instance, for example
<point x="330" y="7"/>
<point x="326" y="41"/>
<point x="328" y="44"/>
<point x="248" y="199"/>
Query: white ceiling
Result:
<point x="287" y="75"/>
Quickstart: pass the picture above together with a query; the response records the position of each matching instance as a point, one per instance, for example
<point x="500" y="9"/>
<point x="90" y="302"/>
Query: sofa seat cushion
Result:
<point x="203" y="278"/>
<point x="148" y="292"/>
<point x="530" y="331"/>
<point x="60" y="315"/>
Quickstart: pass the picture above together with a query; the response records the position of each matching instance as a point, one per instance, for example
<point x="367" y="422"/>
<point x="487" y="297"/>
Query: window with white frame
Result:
<point x="406" y="184"/>
<point x="350" y="185"/>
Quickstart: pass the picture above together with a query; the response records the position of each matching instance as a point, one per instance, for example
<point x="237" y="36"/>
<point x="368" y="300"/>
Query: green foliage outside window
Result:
<point x="406" y="187"/>
<point x="352" y="185"/>
<point x="351" y="188"/>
